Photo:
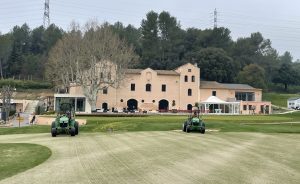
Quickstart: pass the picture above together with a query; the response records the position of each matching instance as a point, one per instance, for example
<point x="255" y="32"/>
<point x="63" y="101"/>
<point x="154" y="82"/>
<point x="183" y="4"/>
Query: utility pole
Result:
<point x="215" y="18"/>
<point x="46" y="14"/>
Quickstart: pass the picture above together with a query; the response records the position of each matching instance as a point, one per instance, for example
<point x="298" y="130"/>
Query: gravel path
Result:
<point x="163" y="157"/>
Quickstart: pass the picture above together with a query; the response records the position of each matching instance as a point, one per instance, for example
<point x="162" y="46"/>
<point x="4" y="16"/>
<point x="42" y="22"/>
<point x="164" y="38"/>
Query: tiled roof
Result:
<point x="217" y="85"/>
<point x="166" y="72"/>
<point x="238" y="86"/>
<point x="210" y="84"/>
<point x="159" y="72"/>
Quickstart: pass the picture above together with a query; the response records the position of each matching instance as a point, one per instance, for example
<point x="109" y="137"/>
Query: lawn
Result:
<point x="153" y="149"/>
<point x="18" y="157"/>
<point x="164" y="123"/>
<point x="242" y="123"/>
<point x="168" y="157"/>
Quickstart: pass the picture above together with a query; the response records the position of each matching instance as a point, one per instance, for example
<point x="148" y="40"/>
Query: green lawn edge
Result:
<point x="19" y="157"/>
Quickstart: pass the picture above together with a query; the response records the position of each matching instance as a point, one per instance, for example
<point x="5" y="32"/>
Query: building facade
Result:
<point x="168" y="90"/>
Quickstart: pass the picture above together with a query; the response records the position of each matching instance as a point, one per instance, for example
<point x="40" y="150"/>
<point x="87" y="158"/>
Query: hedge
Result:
<point x="25" y="84"/>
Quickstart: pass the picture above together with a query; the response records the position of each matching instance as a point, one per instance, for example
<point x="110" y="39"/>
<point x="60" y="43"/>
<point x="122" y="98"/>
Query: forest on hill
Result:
<point x="162" y="44"/>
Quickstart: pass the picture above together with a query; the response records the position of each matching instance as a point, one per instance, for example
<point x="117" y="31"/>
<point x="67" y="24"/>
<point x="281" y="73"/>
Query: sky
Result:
<point x="277" y="20"/>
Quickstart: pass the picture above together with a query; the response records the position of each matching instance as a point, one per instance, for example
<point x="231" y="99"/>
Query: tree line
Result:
<point x="162" y="44"/>
<point x="24" y="52"/>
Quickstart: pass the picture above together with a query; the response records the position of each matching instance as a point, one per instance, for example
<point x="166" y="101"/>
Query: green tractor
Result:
<point x="194" y="123"/>
<point x="65" y="122"/>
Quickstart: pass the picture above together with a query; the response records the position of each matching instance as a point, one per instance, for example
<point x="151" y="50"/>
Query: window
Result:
<point x="189" y="92"/>
<point x="153" y="101"/>
<point x="173" y="103"/>
<point x="80" y="104"/>
<point x="245" y="96"/>
<point x="143" y="101"/>
<point x="148" y="87"/>
<point x="105" y="91"/>
<point x="189" y="70"/>
<point x="186" y="78"/>
<point x="245" y="107"/>
<point x="193" y="78"/>
<point x="132" y="87"/>
<point x="163" y="87"/>
<point x="121" y="100"/>
<point x="101" y="75"/>
<point x="250" y="107"/>
<point x="214" y="93"/>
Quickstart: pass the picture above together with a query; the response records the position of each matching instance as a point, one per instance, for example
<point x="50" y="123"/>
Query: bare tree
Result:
<point x="95" y="60"/>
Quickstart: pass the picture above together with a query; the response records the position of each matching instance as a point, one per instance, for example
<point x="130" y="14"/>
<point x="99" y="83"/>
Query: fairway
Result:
<point x="163" y="157"/>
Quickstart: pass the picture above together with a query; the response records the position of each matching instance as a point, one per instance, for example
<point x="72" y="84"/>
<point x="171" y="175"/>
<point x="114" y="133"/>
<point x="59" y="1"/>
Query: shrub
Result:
<point x="26" y="84"/>
<point x="12" y="112"/>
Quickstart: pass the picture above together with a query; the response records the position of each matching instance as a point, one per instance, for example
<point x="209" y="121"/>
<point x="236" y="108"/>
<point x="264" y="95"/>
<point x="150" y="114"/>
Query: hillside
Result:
<point x="278" y="99"/>
<point x="31" y="94"/>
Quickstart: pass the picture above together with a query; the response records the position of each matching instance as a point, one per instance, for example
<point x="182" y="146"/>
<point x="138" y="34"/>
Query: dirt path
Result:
<point x="164" y="157"/>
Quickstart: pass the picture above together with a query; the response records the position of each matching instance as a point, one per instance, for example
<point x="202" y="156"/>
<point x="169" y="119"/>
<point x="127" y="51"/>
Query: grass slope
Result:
<point x="278" y="99"/>
<point x="18" y="157"/>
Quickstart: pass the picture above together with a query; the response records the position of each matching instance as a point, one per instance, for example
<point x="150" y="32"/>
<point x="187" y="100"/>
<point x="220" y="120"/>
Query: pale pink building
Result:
<point x="171" y="90"/>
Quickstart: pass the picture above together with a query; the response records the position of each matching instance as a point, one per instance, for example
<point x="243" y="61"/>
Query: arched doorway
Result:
<point x="189" y="107"/>
<point x="105" y="106"/>
<point x="132" y="104"/>
<point x="163" y="105"/>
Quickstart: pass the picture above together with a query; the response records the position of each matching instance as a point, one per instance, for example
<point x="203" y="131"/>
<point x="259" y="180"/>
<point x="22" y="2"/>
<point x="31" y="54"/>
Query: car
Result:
<point x="100" y="110"/>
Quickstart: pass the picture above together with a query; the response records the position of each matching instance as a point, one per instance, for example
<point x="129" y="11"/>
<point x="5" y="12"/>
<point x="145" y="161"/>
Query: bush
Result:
<point x="26" y="84"/>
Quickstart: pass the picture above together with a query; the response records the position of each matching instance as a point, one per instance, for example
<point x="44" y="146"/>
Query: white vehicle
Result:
<point x="293" y="103"/>
<point x="101" y="110"/>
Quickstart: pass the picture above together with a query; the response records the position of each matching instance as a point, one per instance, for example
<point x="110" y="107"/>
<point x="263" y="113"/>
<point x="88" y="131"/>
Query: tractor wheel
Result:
<point x="188" y="130"/>
<point x="184" y="127"/>
<point x="53" y="132"/>
<point x="53" y="125"/>
<point x="76" y="125"/>
<point x="72" y="131"/>
<point x="203" y="131"/>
